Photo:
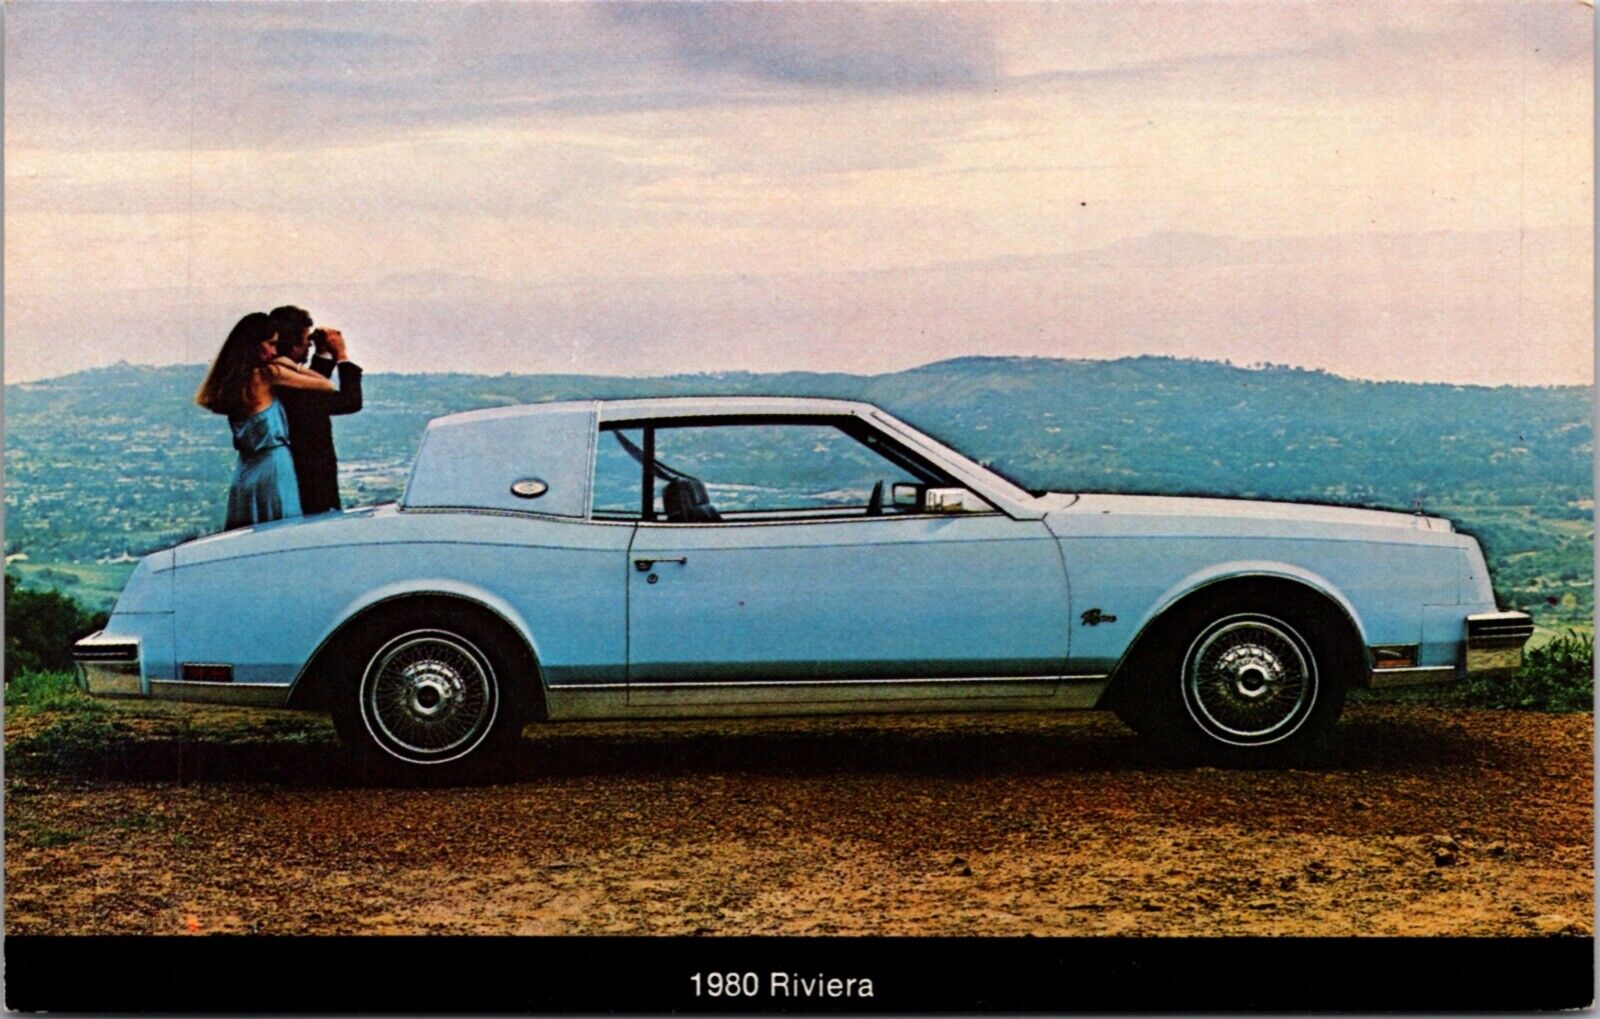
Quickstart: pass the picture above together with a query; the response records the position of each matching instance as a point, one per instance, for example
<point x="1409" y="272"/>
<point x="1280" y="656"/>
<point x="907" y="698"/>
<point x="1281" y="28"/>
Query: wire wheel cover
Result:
<point x="1249" y="679"/>
<point x="428" y="695"/>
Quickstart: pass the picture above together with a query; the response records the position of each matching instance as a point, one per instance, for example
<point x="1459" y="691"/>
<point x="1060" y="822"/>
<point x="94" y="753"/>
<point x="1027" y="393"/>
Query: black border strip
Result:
<point x="921" y="975"/>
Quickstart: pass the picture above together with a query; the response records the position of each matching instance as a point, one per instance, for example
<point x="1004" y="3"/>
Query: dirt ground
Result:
<point x="1424" y="821"/>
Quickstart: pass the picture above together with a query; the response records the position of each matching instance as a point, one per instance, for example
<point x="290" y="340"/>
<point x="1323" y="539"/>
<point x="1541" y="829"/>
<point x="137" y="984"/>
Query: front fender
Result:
<point x="1245" y="569"/>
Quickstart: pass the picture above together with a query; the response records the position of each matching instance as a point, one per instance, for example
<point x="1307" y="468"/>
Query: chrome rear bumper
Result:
<point x="109" y="666"/>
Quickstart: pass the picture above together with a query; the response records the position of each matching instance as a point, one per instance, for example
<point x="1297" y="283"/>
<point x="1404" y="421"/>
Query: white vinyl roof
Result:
<point x="697" y="406"/>
<point x="474" y="458"/>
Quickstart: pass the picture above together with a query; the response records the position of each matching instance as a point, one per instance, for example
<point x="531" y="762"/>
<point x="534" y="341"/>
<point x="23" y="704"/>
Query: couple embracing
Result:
<point x="279" y="411"/>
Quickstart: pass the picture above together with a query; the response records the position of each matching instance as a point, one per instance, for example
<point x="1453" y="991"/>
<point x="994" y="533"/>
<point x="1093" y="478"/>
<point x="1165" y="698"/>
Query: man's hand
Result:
<point x="333" y="344"/>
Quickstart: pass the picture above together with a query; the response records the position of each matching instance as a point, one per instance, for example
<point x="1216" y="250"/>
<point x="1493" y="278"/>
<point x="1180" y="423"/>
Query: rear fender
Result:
<point x="412" y="588"/>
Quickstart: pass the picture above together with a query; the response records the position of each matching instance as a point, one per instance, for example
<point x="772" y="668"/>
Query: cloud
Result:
<point x="298" y="46"/>
<point x="266" y="75"/>
<point x="901" y="47"/>
<point x="1429" y="306"/>
<point x="1556" y="32"/>
<point x="612" y="173"/>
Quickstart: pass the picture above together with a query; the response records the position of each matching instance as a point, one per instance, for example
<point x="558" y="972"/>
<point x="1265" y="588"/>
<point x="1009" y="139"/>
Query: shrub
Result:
<point x="41" y="627"/>
<point x="1558" y="676"/>
<point x="48" y="691"/>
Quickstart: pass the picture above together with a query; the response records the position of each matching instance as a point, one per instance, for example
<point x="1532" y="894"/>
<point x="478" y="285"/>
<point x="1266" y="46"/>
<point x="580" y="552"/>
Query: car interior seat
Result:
<point x="686" y="502"/>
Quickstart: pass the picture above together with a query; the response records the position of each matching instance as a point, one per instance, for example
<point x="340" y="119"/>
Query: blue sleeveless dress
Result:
<point x="263" y="486"/>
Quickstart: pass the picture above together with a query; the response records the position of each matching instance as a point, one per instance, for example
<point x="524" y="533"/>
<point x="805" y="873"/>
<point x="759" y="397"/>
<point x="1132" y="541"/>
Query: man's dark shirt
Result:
<point x="316" y="466"/>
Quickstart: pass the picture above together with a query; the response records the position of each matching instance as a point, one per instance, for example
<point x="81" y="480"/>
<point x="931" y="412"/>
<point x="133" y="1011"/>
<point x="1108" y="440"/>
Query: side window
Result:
<point x="731" y="472"/>
<point x="617" y="475"/>
<point x="776" y="468"/>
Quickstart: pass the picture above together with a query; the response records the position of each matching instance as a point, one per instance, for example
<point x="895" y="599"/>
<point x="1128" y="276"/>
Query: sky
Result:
<point x="1382" y="190"/>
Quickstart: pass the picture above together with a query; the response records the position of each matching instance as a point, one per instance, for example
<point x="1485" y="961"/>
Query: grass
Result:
<point x="138" y="820"/>
<point x="52" y="726"/>
<point x="49" y="691"/>
<point x="46" y="838"/>
<point x="1546" y="631"/>
<point x="71" y="722"/>
<point x="68" y="737"/>
<point x="1555" y="676"/>
<point x="94" y="585"/>
<point x="42" y="836"/>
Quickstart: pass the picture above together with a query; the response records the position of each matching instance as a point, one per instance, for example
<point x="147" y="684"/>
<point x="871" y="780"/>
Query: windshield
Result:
<point x="1005" y="486"/>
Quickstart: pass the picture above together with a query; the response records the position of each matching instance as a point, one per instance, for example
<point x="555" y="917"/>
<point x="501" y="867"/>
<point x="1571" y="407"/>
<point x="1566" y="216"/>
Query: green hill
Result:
<point x="107" y="464"/>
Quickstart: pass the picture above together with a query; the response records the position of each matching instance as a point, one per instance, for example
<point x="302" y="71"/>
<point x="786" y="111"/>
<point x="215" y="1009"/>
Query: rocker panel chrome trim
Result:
<point x="865" y="696"/>
<point x="1384" y="679"/>
<point x="261" y="695"/>
<point x="739" y="684"/>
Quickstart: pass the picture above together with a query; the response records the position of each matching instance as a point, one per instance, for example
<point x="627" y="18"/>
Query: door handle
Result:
<point x="643" y="565"/>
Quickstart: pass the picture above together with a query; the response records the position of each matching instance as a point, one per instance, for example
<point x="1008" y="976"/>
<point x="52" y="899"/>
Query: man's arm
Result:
<point x="348" y="399"/>
<point x="331" y="355"/>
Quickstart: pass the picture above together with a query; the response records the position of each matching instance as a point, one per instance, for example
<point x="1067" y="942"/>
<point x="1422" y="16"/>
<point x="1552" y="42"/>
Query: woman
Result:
<point x="240" y="384"/>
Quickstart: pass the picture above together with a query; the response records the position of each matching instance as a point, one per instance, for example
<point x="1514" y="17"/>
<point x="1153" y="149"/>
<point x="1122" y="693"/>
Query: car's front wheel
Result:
<point x="1250" y="680"/>
<point x="430" y="690"/>
<point x="1246" y="680"/>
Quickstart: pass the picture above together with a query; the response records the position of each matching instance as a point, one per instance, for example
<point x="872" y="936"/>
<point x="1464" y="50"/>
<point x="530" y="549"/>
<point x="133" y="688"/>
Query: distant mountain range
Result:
<point x="115" y="461"/>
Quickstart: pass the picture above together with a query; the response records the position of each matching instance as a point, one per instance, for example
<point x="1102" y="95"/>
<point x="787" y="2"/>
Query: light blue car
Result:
<point x="685" y="557"/>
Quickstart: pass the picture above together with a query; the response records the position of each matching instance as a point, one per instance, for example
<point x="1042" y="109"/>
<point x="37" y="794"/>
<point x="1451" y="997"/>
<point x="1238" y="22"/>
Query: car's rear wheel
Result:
<point x="433" y="690"/>
<point x="1247" y="680"/>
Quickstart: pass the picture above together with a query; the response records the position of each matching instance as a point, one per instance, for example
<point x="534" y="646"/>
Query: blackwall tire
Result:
<point x="1131" y="706"/>
<point x="1249" y="681"/>
<point x="432" y="692"/>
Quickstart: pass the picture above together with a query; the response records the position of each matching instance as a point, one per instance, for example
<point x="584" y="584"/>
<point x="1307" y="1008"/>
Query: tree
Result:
<point x="41" y="627"/>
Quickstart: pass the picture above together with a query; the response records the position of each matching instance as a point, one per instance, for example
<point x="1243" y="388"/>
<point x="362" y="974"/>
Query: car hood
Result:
<point x="1309" y="517"/>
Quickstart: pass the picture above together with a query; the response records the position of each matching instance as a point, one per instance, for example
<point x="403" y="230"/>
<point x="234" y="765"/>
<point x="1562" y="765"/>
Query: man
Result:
<point x="316" y="466"/>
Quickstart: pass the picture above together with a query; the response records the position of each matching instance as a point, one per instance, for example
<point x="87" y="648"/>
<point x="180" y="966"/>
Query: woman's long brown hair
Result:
<point x="226" y="389"/>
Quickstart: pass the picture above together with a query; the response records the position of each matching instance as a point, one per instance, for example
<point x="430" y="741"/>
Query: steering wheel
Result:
<point x="875" y="500"/>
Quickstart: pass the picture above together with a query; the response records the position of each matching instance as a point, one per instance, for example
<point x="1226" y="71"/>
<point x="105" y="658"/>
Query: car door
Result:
<point x="825" y="592"/>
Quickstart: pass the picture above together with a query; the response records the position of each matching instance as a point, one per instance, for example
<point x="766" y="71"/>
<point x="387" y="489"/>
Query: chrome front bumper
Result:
<point x="1494" y="643"/>
<point x="1491" y="647"/>
<point x="109" y="666"/>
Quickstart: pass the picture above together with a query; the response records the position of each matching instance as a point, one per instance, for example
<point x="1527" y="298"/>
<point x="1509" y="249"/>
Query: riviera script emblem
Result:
<point x="1094" y="617"/>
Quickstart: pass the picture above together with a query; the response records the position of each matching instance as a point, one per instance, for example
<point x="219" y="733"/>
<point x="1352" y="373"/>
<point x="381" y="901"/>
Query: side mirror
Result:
<point x="906" y="493"/>
<point x="954" y="500"/>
